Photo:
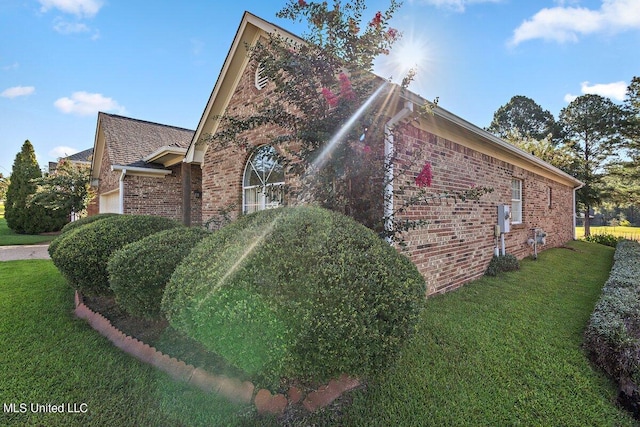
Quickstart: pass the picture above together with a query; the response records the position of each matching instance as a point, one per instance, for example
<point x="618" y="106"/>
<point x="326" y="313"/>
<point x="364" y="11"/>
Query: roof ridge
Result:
<point x="144" y="121"/>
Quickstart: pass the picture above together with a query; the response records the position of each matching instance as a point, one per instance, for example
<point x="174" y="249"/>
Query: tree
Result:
<point x="4" y="184"/>
<point x="559" y="156"/>
<point x="524" y="116"/>
<point x="22" y="217"/>
<point x="329" y="130"/>
<point x="591" y="125"/>
<point x="67" y="189"/>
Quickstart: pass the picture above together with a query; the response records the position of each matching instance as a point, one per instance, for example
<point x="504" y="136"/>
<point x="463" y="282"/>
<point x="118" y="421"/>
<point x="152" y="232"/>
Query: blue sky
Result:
<point x="62" y="61"/>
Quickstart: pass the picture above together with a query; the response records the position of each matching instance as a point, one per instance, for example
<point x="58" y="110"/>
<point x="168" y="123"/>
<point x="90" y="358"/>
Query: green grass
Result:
<point x="500" y="351"/>
<point x="8" y="237"/>
<point x="631" y="233"/>
<point x="49" y="356"/>
<point x="504" y="351"/>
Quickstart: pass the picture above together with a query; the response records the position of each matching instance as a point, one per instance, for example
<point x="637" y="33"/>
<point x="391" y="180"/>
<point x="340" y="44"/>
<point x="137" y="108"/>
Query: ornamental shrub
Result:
<point x="604" y="239"/>
<point x="139" y="271"/>
<point x="301" y="293"/>
<point x="82" y="254"/>
<point x="86" y="220"/>
<point x="502" y="263"/>
<point x="612" y="337"/>
<point x="73" y="225"/>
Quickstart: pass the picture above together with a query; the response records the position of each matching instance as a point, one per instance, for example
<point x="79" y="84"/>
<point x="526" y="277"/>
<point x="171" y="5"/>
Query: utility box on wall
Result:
<point x="504" y="218"/>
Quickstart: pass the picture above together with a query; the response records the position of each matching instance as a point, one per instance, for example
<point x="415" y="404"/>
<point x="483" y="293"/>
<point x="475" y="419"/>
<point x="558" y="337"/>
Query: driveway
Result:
<point x="12" y="253"/>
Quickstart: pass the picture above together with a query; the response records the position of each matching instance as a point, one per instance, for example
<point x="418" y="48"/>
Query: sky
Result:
<point x="62" y="61"/>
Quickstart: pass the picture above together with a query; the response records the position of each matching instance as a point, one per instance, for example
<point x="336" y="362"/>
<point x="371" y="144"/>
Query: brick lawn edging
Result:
<point x="231" y="388"/>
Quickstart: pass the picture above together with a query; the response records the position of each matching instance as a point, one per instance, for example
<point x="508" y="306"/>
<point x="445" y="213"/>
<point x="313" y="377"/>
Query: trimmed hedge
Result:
<point x="86" y="220"/>
<point x="139" y="271"/>
<point x="300" y="293"/>
<point x="81" y="254"/>
<point x="73" y="225"/>
<point x="612" y="337"/>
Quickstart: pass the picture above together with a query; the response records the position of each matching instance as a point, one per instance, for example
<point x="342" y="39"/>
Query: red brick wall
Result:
<point x="223" y="168"/>
<point x="162" y="196"/>
<point x="457" y="244"/>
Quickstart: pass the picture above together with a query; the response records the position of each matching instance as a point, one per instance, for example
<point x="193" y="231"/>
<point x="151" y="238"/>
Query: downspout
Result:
<point x="388" y="159"/>
<point x="575" y="234"/>
<point x="122" y="175"/>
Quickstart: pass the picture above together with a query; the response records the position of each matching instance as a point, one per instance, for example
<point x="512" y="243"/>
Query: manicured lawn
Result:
<point x="8" y="237"/>
<point x="500" y="351"/>
<point x="504" y="351"/>
<point x="49" y="356"/>
<point x="631" y="233"/>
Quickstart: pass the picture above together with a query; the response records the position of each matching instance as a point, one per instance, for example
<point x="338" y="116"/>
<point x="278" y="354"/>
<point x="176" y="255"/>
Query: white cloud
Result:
<point x="14" y="92"/>
<point x="64" y="27"/>
<point x="13" y="66"/>
<point x="62" y="151"/>
<point x="80" y="8"/>
<point x="87" y="104"/>
<point x="566" y="24"/>
<point x="616" y="90"/>
<point x="457" y="5"/>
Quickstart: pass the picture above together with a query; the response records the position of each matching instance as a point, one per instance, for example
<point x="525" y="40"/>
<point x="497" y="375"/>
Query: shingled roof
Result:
<point x="83" y="156"/>
<point x="129" y="141"/>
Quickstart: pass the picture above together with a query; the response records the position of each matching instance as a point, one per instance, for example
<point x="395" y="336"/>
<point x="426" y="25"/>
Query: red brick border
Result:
<point x="231" y="388"/>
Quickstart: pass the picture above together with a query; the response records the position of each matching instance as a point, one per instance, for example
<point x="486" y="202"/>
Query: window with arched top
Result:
<point x="263" y="181"/>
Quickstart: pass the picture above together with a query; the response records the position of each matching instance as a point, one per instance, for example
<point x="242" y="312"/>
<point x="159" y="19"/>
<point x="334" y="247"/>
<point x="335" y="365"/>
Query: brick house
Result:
<point x="459" y="241"/>
<point x="137" y="168"/>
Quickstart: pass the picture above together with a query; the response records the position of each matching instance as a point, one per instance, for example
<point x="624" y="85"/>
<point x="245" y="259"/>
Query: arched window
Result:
<point x="263" y="182"/>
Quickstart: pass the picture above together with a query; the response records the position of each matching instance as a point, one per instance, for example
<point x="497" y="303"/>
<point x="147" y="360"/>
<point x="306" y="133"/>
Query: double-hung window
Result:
<point x="516" y="201"/>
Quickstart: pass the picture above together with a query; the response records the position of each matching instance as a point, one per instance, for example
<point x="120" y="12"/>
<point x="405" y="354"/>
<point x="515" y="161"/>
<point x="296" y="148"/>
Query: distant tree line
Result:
<point x="593" y="139"/>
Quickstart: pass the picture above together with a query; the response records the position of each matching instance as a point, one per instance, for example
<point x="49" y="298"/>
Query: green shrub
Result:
<point x="297" y="293"/>
<point x="502" y="263"/>
<point x="72" y="226"/>
<point x="86" y="220"/>
<point x="139" y="271"/>
<point x="612" y="336"/>
<point x="81" y="255"/>
<point x="604" y="239"/>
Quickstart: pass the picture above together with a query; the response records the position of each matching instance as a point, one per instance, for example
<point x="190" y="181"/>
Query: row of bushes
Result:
<point x="612" y="337"/>
<point x="604" y="239"/>
<point x="299" y="293"/>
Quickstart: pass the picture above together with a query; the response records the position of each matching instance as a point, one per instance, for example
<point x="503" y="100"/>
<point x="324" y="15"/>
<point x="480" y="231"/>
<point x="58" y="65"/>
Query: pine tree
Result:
<point x="23" y="217"/>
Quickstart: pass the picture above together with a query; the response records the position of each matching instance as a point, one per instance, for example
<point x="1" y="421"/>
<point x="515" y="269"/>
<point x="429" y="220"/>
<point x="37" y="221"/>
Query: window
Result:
<point x="516" y="201"/>
<point x="261" y="79"/>
<point x="263" y="182"/>
<point x="550" y="197"/>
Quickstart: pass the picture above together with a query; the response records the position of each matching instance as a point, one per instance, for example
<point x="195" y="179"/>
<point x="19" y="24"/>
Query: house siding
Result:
<point x="457" y="244"/>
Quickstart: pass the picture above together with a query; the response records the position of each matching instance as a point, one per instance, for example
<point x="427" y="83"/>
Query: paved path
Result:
<point x="11" y="253"/>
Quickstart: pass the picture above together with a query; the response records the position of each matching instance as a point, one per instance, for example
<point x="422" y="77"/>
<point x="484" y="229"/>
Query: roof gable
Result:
<point x="130" y="141"/>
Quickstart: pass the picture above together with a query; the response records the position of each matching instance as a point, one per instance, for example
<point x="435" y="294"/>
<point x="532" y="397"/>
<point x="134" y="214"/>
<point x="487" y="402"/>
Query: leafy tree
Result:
<point x="559" y="156"/>
<point x="20" y="215"/>
<point x="320" y="93"/>
<point x="524" y="116"/>
<point x="591" y="125"/>
<point x="67" y="189"/>
<point x="4" y="184"/>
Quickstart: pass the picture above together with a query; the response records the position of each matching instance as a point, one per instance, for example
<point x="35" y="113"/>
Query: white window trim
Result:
<point x="516" y="204"/>
<point x="262" y="189"/>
